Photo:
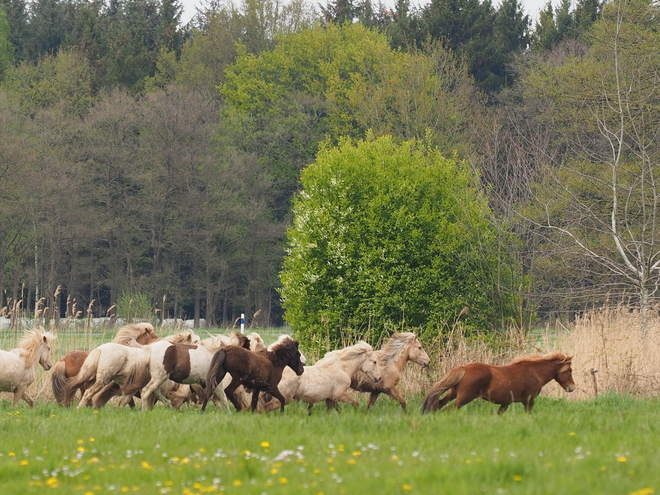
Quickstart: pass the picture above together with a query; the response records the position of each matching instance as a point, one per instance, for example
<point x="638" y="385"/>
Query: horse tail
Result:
<point x="451" y="379"/>
<point x="87" y="372"/>
<point x="215" y="375"/>
<point x="137" y="373"/>
<point x="58" y="381"/>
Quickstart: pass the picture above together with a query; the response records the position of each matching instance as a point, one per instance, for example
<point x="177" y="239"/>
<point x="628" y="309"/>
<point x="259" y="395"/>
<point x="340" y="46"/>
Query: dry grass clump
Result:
<point x="622" y="348"/>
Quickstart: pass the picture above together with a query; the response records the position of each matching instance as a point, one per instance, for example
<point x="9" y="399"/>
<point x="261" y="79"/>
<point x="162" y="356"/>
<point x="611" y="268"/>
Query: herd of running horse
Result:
<point x="241" y="369"/>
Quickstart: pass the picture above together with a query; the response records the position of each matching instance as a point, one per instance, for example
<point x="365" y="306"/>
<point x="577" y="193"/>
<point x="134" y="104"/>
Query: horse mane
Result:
<point x="282" y="349"/>
<point x="186" y="336"/>
<point x="256" y="342"/>
<point x="128" y="334"/>
<point x="397" y="343"/>
<point x="31" y="341"/>
<point x="351" y="352"/>
<point x="556" y="357"/>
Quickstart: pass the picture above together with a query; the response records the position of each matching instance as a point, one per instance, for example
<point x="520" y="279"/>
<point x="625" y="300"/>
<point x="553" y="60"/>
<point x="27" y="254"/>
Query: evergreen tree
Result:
<point x="338" y="12"/>
<point x="6" y="48"/>
<point x="17" y="18"/>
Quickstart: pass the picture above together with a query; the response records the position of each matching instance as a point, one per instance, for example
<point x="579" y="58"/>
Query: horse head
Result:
<point x="45" y="350"/>
<point x="564" y="374"/>
<point x="370" y="367"/>
<point x="286" y="349"/>
<point x="417" y="354"/>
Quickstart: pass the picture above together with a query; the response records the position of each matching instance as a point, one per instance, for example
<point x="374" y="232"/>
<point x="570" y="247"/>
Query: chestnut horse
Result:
<point x="18" y="367"/>
<point x="258" y="371"/>
<point x="400" y="349"/>
<point x="134" y="334"/>
<point x="520" y="381"/>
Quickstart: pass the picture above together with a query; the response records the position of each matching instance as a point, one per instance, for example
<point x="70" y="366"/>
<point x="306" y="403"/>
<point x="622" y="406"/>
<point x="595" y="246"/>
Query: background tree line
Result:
<point x="142" y="156"/>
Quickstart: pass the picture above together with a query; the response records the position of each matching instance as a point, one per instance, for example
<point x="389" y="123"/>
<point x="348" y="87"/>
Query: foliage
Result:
<point x="391" y="236"/>
<point x="6" y="48"/>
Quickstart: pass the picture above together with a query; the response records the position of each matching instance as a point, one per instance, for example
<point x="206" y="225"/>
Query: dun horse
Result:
<point x="328" y="380"/>
<point x="18" y="367"/>
<point x="258" y="371"/>
<point x="520" y="381"/>
<point x="400" y="349"/>
<point x="134" y="335"/>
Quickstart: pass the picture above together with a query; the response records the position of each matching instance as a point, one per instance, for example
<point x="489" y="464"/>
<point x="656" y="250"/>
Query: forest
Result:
<point x="146" y="160"/>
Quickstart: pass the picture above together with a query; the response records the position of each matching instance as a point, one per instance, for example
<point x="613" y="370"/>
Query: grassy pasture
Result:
<point x="605" y="445"/>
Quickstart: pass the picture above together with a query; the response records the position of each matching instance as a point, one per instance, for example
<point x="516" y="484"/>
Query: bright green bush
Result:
<point x="389" y="235"/>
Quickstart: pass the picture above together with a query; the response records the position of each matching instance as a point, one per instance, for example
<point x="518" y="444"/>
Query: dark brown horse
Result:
<point x="258" y="371"/>
<point x="520" y="381"/>
<point x="69" y="365"/>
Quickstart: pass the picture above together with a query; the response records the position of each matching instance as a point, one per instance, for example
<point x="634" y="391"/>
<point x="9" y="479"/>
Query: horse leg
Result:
<point x="255" y="399"/>
<point x="504" y="407"/>
<point x="372" y="400"/>
<point x="229" y="392"/>
<point x="449" y="396"/>
<point x="90" y="392"/>
<point x="153" y="387"/>
<point x="21" y="393"/>
<point x="394" y="393"/>
<point x="529" y="404"/>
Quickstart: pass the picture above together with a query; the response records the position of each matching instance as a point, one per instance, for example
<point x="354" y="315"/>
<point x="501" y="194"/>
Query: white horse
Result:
<point x="328" y="380"/>
<point x="182" y="364"/>
<point x="109" y="363"/>
<point x="18" y="367"/>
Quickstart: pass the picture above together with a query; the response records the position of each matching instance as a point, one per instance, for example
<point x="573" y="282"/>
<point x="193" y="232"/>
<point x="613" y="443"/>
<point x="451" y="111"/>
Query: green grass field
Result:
<point x="610" y="445"/>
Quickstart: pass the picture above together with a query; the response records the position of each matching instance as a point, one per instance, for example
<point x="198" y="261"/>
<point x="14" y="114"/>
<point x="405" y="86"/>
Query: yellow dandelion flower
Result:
<point x="406" y="487"/>
<point x="572" y="434"/>
<point x="202" y="449"/>
<point x="283" y="480"/>
<point x="185" y="460"/>
<point x="89" y="493"/>
<point x="125" y="489"/>
<point x="79" y="442"/>
<point x="357" y="453"/>
<point x="352" y="461"/>
<point x="643" y="491"/>
<point x="52" y="482"/>
<point x="316" y="471"/>
<point x="517" y="477"/>
<point x="273" y="471"/>
<point x="24" y="462"/>
<point x="622" y="459"/>
<point x="81" y="449"/>
<point x="145" y="465"/>
<point x="74" y="461"/>
<point x="93" y="460"/>
<point x="237" y="483"/>
<point x="11" y="454"/>
<point x="265" y="445"/>
<point x="340" y="448"/>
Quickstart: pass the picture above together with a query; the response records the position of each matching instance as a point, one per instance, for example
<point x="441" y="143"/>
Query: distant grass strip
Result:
<point x="607" y="445"/>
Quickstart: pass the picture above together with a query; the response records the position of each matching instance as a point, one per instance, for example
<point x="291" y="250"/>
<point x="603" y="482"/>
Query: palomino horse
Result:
<point x="18" y="367"/>
<point x="520" y="381"/>
<point x="134" y="335"/>
<point x="401" y="348"/>
<point x="258" y="371"/>
<point x="109" y="362"/>
<point x="328" y="380"/>
<point x="184" y="364"/>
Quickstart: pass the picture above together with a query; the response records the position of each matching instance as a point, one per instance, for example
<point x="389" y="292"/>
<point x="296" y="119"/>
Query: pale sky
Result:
<point x="531" y="7"/>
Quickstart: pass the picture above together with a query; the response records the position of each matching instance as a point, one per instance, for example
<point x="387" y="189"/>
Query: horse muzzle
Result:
<point x="570" y="387"/>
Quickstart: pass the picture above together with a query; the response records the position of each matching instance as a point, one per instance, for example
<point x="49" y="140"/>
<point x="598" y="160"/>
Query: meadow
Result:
<point x="591" y="441"/>
<point x="605" y="445"/>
